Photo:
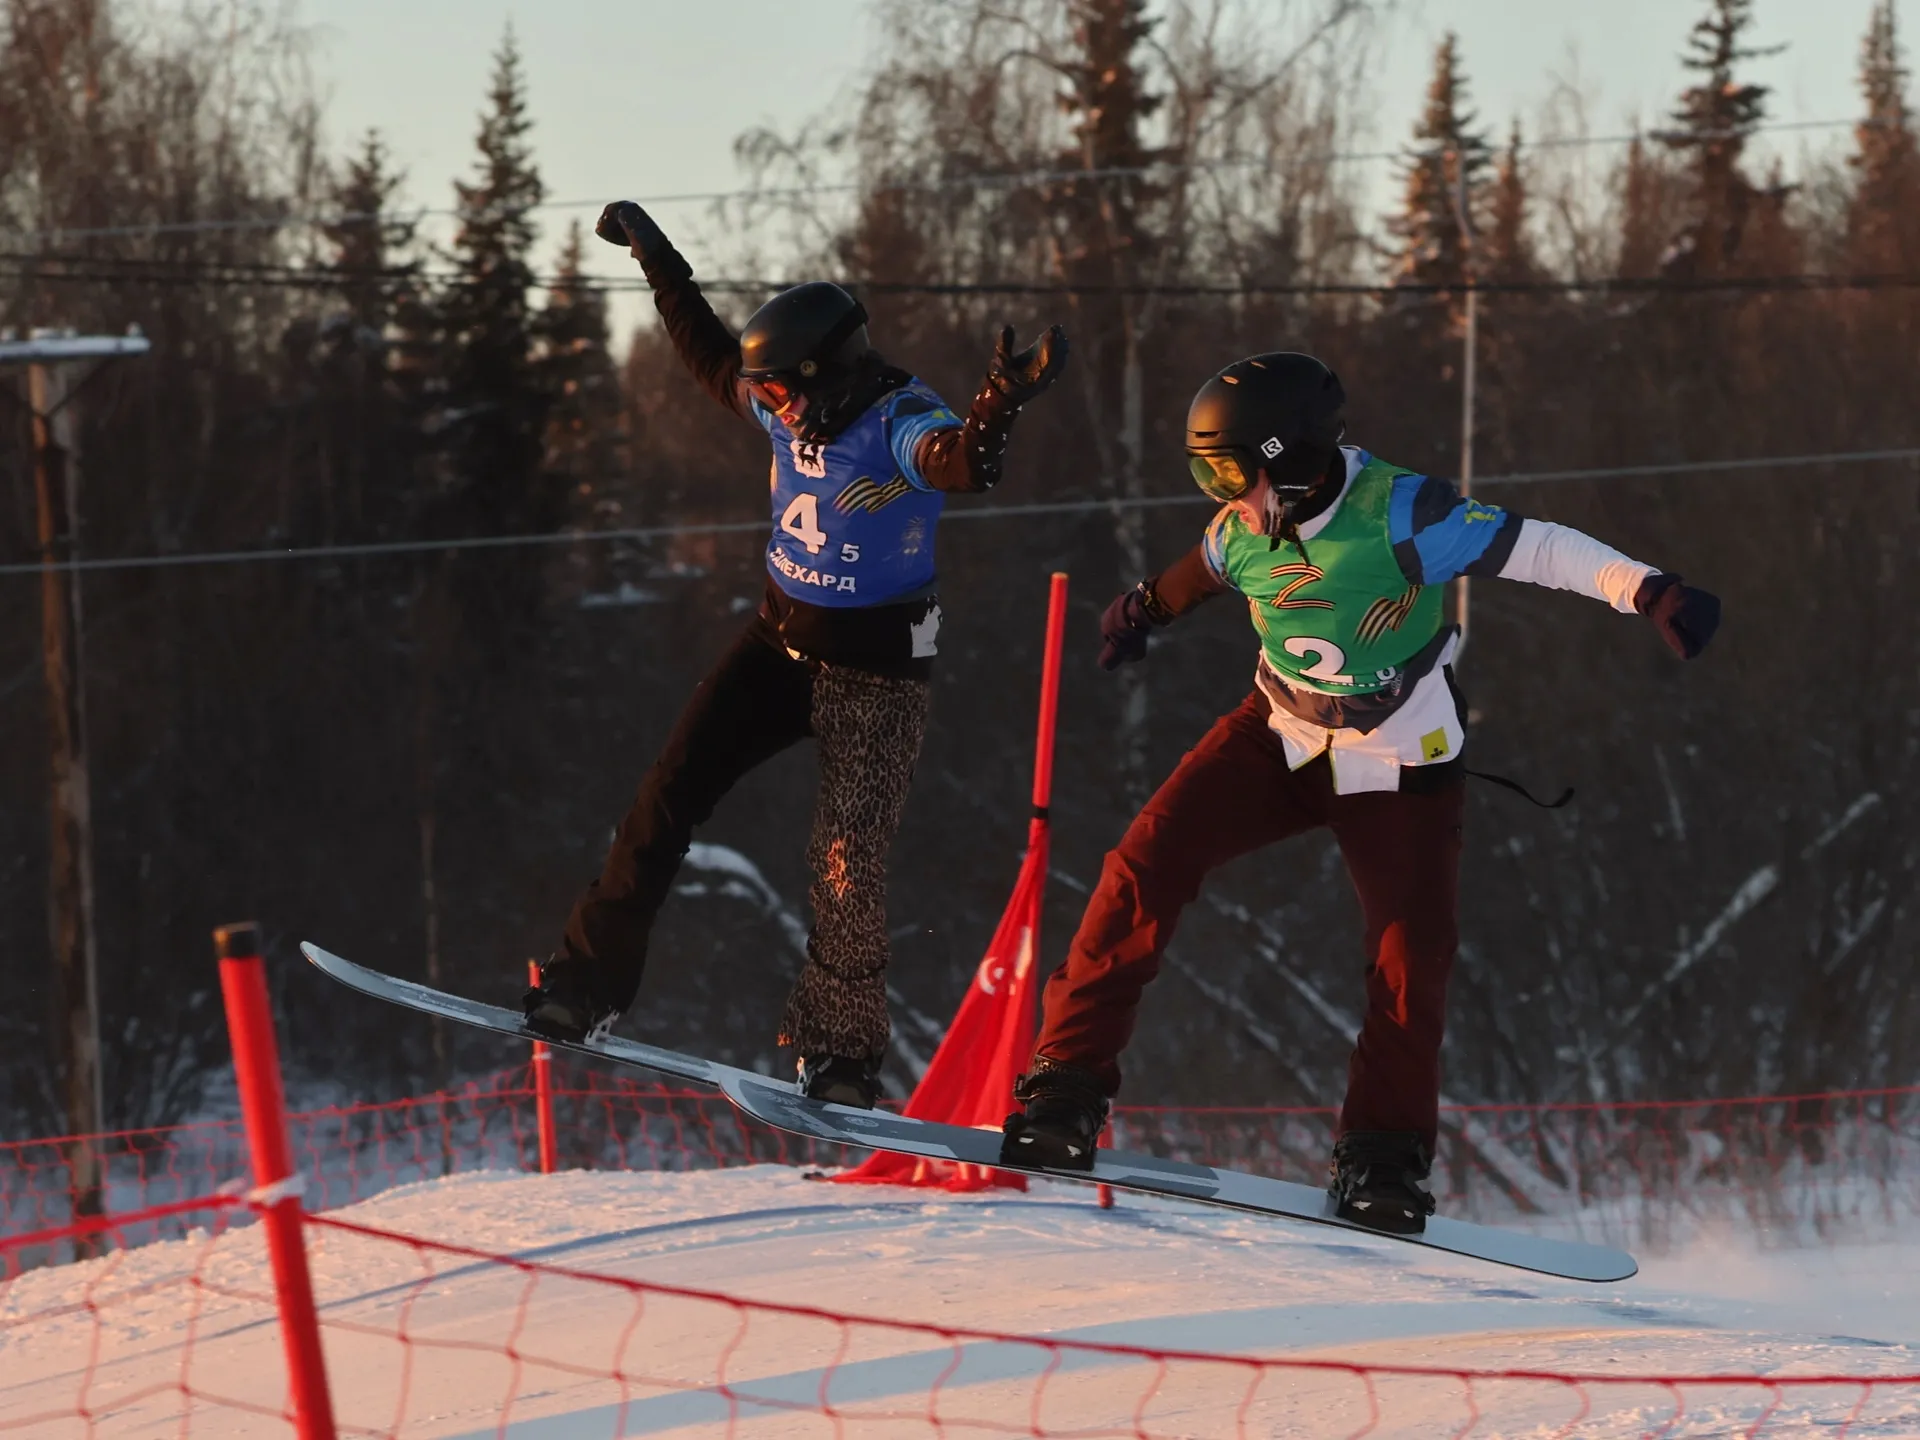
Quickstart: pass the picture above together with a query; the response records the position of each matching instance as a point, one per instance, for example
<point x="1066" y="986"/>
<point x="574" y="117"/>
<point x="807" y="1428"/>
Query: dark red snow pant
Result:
<point x="1233" y="794"/>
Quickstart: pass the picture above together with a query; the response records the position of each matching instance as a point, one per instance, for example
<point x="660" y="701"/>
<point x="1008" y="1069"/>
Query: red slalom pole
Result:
<point x="1049" y="696"/>
<point x="1037" y="835"/>
<point x="543" y="1091"/>
<point x="263" y="1104"/>
<point x="1104" y="1193"/>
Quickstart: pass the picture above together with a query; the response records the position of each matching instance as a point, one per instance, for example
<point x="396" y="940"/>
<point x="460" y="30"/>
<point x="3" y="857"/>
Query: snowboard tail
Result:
<point x="779" y="1104"/>
<point x="776" y="1104"/>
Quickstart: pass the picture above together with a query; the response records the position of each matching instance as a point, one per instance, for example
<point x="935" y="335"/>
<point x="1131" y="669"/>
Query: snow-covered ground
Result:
<point x="111" y="1335"/>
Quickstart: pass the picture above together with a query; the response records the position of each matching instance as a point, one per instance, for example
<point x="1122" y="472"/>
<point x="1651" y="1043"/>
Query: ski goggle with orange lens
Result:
<point x="1222" y="474"/>
<point x="773" y="392"/>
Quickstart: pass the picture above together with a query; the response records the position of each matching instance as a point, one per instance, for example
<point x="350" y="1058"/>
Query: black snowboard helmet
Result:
<point x="802" y="342"/>
<point x="1278" y="413"/>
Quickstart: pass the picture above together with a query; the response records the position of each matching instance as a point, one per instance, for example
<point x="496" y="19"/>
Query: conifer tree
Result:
<point x="495" y="401"/>
<point x="373" y="347"/>
<point x="491" y="405"/>
<point x="1108" y="241"/>
<point x="370" y="246"/>
<point x="1432" y="248"/>
<point x="1644" y="230"/>
<point x="1507" y="246"/>
<point x="1109" y="102"/>
<point x="583" y="384"/>
<point x="1886" y="160"/>
<point x="1716" y="116"/>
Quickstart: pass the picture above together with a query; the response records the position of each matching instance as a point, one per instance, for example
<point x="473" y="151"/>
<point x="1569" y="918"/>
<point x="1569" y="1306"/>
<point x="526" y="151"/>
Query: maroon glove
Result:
<point x="1685" y="617"/>
<point x="1127" y="623"/>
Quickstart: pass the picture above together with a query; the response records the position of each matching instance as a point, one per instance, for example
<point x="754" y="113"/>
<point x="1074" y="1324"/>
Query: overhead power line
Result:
<point x="1703" y="467"/>
<point x="377" y="549"/>
<point x="239" y="275"/>
<point x="987" y="180"/>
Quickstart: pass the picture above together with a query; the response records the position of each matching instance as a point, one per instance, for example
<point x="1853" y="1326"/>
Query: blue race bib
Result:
<point x="853" y="518"/>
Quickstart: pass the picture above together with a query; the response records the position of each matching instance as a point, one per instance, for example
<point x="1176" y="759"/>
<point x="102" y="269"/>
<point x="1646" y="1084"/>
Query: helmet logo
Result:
<point x="1271" y="446"/>
<point x="809" y="368"/>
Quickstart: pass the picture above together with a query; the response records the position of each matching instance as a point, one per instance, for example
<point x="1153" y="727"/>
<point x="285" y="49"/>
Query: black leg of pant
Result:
<point x="755" y="703"/>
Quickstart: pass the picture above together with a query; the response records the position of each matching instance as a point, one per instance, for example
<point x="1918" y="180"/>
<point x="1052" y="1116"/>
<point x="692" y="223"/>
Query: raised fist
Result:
<point x="625" y="223"/>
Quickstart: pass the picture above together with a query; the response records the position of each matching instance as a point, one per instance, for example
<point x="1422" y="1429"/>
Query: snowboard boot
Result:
<point x="840" y="1080"/>
<point x="1060" y="1127"/>
<point x="565" y="1005"/>
<point x="1376" y="1180"/>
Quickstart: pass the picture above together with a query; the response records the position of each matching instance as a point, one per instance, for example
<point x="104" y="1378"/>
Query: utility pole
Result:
<point x="50" y="357"/>
<point x="1470" y="360"/>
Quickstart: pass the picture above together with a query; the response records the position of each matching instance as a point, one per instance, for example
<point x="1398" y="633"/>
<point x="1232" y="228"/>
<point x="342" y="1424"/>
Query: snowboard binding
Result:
<point x="565" y="1006"/>
<point x="1376" y="1180"/>
<point x="1060" y="1128"/>
<point x="840" y="1080"/>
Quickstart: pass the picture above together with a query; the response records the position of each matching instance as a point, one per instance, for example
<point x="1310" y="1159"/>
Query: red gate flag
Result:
<point x="970" y="1079"/>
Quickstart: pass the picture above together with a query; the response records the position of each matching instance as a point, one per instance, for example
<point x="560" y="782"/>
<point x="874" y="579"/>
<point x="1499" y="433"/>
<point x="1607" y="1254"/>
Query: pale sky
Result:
<point x="640" y="98"/>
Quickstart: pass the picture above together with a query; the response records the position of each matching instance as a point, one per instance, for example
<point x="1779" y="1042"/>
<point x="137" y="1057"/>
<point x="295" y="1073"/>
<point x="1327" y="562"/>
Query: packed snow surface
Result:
<point x="119" y="1337"/>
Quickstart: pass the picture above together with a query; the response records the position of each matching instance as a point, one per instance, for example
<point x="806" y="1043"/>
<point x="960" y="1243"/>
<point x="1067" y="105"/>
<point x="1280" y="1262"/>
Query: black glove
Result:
<point x="1127" y="623"/>
<point x="1685" y="617"/>
<point x="1023" y="376"/>
<point x="625" y="223"/>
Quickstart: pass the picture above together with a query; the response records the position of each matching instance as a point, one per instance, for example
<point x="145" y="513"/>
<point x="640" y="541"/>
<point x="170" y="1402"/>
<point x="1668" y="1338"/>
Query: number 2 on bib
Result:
<point x="1329" y="659"/>
<point x="802" y="521"/>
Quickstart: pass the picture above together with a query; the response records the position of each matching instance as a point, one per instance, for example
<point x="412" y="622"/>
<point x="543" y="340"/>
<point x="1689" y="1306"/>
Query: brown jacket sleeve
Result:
<point x="1185" y="583"/>
<point x="971" y="457"/>
<point x="701" y="338"/>
<point x="950" y="464"/>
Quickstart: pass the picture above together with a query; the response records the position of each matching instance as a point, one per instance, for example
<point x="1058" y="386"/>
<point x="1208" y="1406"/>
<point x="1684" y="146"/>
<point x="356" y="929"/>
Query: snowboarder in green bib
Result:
<point x="1353" y="724"/>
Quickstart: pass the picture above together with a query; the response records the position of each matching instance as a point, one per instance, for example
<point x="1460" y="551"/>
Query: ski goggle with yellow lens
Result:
<point x="1222" y="474"/>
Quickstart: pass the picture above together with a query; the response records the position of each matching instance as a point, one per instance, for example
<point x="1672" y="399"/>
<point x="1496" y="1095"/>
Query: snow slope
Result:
<point x="1162" y="1275"/>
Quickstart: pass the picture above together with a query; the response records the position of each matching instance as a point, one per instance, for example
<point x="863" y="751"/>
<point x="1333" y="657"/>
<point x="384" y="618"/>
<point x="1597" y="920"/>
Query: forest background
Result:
<point x="414" y="755"/>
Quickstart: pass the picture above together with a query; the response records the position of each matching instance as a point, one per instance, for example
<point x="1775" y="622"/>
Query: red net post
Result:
<point x="263" y="1104"/>
<point x="543" y="1091"/>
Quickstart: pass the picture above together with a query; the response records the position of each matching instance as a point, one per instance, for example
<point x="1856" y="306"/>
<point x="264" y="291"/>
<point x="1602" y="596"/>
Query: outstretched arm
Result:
<point x="1562" y="558"/>
<point x="701" y="338"/>
<point x="969" y="457"/>
<point x="1439" y="534"/>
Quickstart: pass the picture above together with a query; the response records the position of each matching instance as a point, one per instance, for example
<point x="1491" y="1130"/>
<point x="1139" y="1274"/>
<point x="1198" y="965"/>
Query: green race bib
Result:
<point x="1342" y="620"/>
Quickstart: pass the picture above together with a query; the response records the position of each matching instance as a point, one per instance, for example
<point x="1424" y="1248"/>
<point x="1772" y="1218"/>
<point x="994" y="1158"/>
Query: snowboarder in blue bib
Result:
<point x="1353" y="724"/>
<point x="864" y="455"/>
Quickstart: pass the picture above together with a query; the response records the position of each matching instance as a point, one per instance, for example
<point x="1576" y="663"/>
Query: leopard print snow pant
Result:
<point x="869" y="728"/>
<point x="756" y="702"/>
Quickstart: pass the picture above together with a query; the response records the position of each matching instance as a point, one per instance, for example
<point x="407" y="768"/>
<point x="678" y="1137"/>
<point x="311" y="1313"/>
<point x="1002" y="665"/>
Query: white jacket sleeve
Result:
<point x="1564" y="559"/>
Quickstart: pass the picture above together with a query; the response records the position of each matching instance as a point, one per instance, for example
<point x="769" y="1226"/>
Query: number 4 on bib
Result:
<point x="802" y="521"/>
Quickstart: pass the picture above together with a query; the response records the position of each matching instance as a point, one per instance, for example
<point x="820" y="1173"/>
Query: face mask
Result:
<point x="1278" y="519"/>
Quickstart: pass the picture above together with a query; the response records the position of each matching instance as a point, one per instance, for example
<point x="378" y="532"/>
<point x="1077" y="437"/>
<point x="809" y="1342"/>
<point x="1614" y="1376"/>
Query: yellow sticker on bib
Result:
<point x="1433" y="745"/>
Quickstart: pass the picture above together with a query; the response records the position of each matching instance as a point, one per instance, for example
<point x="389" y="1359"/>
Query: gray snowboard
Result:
<point x="777" y="1103"/>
